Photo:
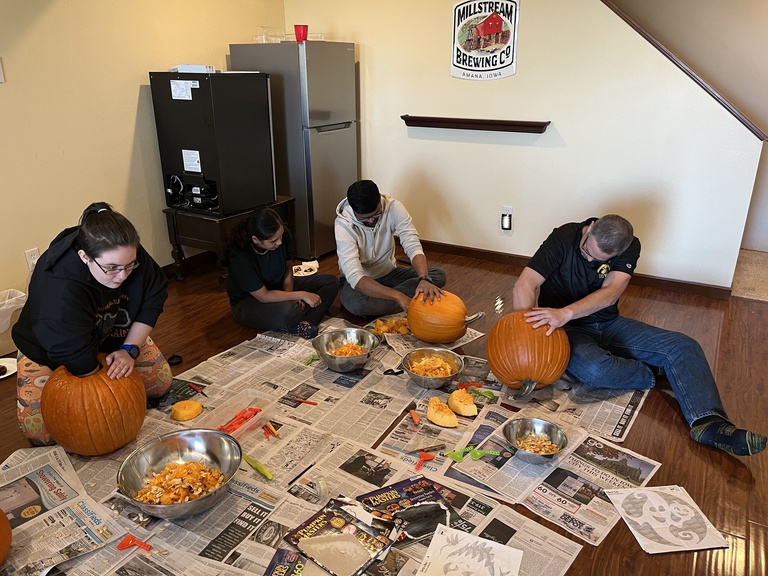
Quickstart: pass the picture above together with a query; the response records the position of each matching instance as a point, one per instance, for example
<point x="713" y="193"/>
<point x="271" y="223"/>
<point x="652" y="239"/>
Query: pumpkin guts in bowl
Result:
<point x="180" y="483"/>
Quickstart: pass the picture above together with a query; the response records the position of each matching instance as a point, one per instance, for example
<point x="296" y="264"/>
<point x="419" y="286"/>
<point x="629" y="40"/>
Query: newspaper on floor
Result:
<point x="607" y="413"/>
<point x="568" y="489"/>
<point x="52" y="517"/>
<point x="573" y="494"/>
<point x="404" y="343"/>
<point x="544" y="551"/>
<point x="666" y="519"/>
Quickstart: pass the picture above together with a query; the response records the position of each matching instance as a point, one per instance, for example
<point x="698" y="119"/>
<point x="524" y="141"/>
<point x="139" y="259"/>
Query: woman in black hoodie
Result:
<point x="95" y="290"/>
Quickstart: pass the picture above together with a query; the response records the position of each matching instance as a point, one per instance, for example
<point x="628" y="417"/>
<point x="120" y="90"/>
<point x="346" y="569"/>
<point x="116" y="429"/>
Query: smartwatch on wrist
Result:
<point x="426" y="277"/>
<point x="132" y="349"/>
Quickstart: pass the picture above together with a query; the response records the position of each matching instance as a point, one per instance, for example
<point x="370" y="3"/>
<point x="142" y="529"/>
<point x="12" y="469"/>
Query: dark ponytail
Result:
<point x="263" y="224"/>
<point x="102" y="229"/>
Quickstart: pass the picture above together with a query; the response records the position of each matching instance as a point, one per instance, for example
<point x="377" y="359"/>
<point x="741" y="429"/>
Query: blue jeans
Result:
<point x="404" y="279"/>
<point x="617" y="355"/>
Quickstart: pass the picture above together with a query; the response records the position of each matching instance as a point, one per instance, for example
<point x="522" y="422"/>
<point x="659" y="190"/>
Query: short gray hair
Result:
<point x="612" y="233"/>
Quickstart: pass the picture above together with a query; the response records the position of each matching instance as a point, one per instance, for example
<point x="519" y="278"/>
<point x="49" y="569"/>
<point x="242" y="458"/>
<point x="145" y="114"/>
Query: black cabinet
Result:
<point x="214" y="133"/>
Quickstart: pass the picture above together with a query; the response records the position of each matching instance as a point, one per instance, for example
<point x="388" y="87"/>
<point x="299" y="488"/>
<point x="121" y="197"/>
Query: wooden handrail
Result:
<point x="690" y="73"/>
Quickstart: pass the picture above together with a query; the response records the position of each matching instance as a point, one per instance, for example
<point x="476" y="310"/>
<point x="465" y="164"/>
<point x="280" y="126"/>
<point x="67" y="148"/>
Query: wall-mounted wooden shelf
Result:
<point x="475" y="124"/>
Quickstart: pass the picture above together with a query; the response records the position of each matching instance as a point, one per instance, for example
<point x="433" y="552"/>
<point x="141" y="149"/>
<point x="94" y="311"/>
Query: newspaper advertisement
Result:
<point x="607" y="413"/>
<point x="573" y="494"/>
<point x="52" y="517"/>
<point x="500" y="467"/>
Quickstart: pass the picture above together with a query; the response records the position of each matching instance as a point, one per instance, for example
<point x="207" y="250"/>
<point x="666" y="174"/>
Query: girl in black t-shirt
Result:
<point x="262" y="290"/>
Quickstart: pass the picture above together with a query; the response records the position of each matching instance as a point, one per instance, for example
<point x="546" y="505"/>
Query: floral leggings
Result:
<point x="31" y="378"/>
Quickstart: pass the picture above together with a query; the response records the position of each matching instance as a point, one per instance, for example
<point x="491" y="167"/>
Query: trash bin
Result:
<point x="11" y="303"/>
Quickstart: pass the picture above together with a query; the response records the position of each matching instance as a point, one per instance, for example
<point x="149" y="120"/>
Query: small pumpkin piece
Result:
<point x="441" y="321"/>
<point x="5" y="536"/>
<point x="439" y="413"/>
<point x="186" y="410"/>
<point x="462" y="403"/>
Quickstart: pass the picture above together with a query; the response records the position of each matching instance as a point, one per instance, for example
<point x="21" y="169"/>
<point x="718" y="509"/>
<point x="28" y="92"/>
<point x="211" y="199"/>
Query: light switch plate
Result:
<point x="2" y="77"/>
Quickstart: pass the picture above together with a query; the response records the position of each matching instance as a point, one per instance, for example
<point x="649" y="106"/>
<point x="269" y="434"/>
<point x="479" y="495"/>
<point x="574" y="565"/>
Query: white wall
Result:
<point x="630" y="133"/>
<point x="76" y="121"/>
<point x="725" y="44"/>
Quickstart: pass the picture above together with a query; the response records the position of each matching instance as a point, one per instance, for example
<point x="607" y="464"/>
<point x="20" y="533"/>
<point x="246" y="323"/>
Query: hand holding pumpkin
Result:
<point x="551" y="317"/>
<point x="120" y="364"/>
<point x="429" y="291"/>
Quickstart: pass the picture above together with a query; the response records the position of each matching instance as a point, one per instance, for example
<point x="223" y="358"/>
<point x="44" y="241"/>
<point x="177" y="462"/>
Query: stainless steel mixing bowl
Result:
<point x="326" y="343"/>
<point x="454" y="360"/>
<point x="215" y="449"/>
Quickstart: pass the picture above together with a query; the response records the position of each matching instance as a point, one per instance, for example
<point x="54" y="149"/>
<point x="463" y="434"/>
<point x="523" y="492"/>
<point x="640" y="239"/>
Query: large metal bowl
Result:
<point x="215" y="449"/>
<point x="522" y="428"/>
<point x="326" y="343"/>
<point x="454" y="360"/>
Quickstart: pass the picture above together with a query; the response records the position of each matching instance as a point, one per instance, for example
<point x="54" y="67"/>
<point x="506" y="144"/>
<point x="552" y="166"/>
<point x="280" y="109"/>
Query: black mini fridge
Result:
<point x="214" y="133"/>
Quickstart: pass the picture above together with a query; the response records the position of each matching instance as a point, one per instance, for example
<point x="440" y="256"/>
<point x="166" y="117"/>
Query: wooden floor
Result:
<point x="731" y="491"/>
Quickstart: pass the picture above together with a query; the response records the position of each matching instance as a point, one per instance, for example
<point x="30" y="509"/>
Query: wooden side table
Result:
<point x="208" y="232"/>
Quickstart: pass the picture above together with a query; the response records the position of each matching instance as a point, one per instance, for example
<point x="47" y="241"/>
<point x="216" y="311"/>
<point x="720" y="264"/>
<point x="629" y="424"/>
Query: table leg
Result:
<point x="178" y="260"/>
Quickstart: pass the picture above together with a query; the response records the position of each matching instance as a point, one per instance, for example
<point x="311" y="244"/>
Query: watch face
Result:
<point x="133" y="351"/>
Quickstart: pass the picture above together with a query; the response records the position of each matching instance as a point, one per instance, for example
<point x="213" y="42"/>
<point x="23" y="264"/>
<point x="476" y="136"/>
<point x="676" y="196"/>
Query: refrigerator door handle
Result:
<point x="334" y="127"/>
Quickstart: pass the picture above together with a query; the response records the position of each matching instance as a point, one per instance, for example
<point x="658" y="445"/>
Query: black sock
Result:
<point x="718" y="432"/>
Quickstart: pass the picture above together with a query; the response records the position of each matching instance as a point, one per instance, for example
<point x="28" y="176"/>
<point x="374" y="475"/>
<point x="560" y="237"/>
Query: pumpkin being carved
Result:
<point x="94" y="415"/>
<point x="441" y="321"/>
<point x="5" y="536"/>
<point x="526" y="358"/>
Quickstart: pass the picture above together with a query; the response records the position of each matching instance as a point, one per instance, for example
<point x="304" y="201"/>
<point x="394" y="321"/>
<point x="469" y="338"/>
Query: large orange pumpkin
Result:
<point x="441" y="321"/>
<point x="524" y="357"/>
<point x="93" y="415"/>
<point x="5" y="536"/>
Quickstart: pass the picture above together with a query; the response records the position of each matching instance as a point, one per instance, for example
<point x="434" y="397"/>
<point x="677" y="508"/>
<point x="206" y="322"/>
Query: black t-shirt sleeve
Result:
<point x="549" y="257"/>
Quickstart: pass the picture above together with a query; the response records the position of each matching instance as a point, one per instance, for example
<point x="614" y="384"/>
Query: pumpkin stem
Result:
<point x="527" y="387"/>
<point x="469" y="319"/>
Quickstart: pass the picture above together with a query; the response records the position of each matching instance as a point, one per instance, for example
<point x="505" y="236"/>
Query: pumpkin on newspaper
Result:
<point x="441" y="321"/>
<point x="524" y="357"/>
<point x="93" y="415"/>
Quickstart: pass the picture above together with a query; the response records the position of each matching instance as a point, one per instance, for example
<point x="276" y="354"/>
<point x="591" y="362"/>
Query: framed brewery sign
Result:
<point x="484" y="39"/>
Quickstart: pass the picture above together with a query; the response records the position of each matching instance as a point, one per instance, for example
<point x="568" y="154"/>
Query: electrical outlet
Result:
<point x="506" y="217"/>
<point x="32" y="255"/>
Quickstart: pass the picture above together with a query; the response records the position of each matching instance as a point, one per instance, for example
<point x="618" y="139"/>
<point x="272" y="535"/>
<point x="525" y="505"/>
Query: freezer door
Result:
<point x="328" y="82"/>
<point x="331" y="168"/>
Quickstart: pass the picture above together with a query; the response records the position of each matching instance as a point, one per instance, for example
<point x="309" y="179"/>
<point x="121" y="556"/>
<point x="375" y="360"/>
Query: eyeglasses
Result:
<point x="585" y="253"/>
<point x="115" y="270"/>
<point x="371" y="218"/>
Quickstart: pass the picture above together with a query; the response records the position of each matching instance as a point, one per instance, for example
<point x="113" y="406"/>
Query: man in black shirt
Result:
<point x="574" y="281"/>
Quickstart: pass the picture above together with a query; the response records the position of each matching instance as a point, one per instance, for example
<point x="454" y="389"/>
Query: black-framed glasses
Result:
<point x="370" y="219"/>
<point x="586" y="255"/>
<point x="115" y="270"/>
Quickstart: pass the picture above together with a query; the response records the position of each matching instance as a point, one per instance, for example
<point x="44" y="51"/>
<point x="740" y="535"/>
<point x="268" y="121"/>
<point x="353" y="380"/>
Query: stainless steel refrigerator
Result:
<point x="314" y="108"/>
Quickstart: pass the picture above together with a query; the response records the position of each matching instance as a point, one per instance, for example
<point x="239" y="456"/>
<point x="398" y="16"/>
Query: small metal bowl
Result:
<point x="328" y="342"/>
<point x="454" y="360"/>
<point x="524" y="427"/>
<point x="215" y="449"/>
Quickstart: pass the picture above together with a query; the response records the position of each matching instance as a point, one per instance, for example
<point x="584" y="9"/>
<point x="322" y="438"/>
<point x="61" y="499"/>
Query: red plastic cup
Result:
<point x="301" y="32"/>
